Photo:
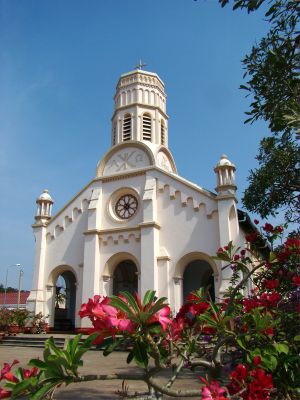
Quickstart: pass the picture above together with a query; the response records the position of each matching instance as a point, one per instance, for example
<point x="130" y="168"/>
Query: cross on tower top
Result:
<point x="140" y="65"/>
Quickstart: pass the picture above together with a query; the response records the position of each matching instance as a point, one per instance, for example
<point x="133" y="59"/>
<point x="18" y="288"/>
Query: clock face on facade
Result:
<point x="126" y="206"/>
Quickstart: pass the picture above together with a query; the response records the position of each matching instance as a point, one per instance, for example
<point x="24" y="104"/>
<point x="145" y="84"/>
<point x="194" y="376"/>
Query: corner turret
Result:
<point x="44" y="207"/>
<point x="225" y="177"/>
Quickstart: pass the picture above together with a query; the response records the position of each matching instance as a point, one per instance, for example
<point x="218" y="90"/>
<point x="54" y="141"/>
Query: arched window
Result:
<point x="127" y="127"/>
<point x="146" y="127"/>
<point x="125" y="278"/>
<point x="163" y="132"/>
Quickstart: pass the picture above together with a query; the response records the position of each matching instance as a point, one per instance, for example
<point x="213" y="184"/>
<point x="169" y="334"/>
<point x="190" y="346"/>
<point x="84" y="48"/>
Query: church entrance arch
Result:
<point x="198" y="274"/>
<point x="193" y="271"/>
<point x="125" y="278"/>
<point x="64" y="299"/>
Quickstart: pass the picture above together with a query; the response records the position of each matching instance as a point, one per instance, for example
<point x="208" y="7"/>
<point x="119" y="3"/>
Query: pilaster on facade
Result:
<point x="35" y="301"/>
<point x="91" y="267"/>
<point x="149" y="237"/>
<point x="94" y="209"/>
<point x="91" y="263"/>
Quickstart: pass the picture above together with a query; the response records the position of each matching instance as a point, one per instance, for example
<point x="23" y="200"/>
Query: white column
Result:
<point x="224" y="206"/>
<point x="35" y="301"/>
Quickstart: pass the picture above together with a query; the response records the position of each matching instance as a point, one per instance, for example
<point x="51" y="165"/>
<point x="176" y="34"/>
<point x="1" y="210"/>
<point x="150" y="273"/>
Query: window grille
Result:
<point x="127" y="128"/>
<point x="146" y="127"/>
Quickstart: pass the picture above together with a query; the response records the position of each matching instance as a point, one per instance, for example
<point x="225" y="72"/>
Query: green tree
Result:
<point x="272" y="81"/>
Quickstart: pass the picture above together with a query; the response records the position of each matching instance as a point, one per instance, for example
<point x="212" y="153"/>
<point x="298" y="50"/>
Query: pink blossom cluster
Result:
<point x="109" y="321"/>
<point x="8" y="376"/>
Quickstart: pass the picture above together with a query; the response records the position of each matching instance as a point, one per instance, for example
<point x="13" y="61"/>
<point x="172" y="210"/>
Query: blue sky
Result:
<point x="59" y="64"/>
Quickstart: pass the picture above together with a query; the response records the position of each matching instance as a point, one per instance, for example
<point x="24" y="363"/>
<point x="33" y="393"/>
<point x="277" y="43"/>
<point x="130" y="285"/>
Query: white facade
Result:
<point x="137" y="225"/>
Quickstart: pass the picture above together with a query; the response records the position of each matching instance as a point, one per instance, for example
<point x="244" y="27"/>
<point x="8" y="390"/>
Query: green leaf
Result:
<point x="158" y="305"/>
<point x="74" y="344"/>
<point x="241" y="343"/>
<point x="131" y="300"/>
<point x="140" y="354"/>
<point x="144" y="316"/>
<point x="21" y="387"/>
<point x="111" y="347"/>
<point x="281" y="348"/>
<point x="297" y="338"/>
<point x="269" y="361"/>
<point x="34" y="362"/>
<point x="115" y="301"/>
<point x="41" y="393"/>
<point x="155" y="328"/>
<point x="89" y="340"/>
<point x="130" y="357"/>
<point x="149" y="297"/>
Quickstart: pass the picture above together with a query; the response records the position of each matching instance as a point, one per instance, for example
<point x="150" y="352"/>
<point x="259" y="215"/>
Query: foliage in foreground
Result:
<point x="272" y="71"/>
<point x="245" y="347"/>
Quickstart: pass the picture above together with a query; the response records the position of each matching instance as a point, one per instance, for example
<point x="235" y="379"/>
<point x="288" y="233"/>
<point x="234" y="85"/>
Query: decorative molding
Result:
<point x="143" y="105"/>
<point x="111" y="230"/>
<point x="177" y="280"/>
<point x="151" y="224"/>
<point x="123" y="175"/>
<point x="163" y="258"/>
<point x="106" y="278"/>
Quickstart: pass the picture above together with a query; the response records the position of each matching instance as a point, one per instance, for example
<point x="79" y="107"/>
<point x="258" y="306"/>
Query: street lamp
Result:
<point x="5" y="289"/>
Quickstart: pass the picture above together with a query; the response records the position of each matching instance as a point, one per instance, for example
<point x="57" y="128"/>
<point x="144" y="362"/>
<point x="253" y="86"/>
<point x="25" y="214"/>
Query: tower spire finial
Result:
<point x="140" y="65"/>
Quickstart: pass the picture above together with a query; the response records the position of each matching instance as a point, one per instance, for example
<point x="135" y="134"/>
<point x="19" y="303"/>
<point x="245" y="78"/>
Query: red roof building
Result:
<point x="11" y="300"/>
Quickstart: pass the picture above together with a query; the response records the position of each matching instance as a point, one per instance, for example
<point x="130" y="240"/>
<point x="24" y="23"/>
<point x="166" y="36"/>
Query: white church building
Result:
<point x="137" y="225"/>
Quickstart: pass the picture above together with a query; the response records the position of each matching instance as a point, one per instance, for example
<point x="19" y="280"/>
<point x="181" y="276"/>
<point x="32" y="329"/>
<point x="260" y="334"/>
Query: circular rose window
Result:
<point x="126" y="206"/>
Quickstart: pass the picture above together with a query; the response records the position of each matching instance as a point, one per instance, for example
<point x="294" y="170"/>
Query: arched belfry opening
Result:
<point x="198" y="274"/>
<point x="125" y="278"/>
<point x="65" y="302"/>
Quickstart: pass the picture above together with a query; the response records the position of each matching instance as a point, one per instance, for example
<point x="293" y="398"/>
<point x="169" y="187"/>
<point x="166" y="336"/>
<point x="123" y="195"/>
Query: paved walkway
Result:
<point x="96" y="363"/>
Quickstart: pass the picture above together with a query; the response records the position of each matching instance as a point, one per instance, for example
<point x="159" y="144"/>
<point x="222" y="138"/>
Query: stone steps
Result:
<point x="37" y="341"/>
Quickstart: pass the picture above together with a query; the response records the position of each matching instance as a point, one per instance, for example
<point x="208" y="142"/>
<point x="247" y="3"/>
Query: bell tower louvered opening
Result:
<point x="163" y="133"/>
<point x="114" y="140"/>
<point x="127" y="127"/>
<point x="147" y="127"/>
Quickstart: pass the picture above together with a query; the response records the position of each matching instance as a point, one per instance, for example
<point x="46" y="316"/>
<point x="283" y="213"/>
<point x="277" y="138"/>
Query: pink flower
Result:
<point x="212" y="391"/>
<point x="4" y="394"/>
<point x="28" y="373"/>
<point x="162" y="316"/>
<point x="118" y="319"/>
<point x="7" y="368"/>
<point x="9" y="376"/>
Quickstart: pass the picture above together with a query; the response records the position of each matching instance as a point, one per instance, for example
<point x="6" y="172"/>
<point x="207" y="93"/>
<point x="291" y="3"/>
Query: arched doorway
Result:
<point x="197" y="274"/>
<point x="65" y="302"/>
<point x="125" y="278"/>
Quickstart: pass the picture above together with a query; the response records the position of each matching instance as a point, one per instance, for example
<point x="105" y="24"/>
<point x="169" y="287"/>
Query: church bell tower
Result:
<point x="140" y="109"/>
